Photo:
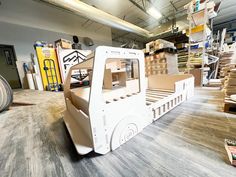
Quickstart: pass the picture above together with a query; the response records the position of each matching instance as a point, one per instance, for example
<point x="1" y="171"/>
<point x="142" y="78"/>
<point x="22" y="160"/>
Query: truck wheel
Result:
<point x="6" y="94"/>
<point x="125" y="130"/>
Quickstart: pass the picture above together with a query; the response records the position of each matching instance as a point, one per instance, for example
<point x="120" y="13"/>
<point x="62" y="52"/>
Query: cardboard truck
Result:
<point x="119" y="101"/>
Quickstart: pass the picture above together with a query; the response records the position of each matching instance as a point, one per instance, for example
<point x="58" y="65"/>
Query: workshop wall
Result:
<point x="22" y="22"/>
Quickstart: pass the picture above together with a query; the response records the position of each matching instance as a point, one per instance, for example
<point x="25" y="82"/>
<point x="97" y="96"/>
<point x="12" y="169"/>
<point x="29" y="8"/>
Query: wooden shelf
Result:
<point x="117" y="77"/>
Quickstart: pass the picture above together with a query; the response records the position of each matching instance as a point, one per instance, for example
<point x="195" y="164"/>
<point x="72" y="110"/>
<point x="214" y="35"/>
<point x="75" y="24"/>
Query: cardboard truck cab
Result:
<point x="101" y="117"/>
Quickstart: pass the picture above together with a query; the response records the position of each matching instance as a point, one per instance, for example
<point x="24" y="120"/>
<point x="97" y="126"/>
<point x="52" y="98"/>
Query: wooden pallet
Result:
<point x="229" y="105"/>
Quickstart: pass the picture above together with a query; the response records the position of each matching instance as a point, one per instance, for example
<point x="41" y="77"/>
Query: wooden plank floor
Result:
<point x="188" y="141"/>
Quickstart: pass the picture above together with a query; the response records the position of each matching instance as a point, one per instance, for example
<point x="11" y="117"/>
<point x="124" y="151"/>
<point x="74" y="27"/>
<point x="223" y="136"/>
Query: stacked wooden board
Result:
<point x="225" y="60"/>
<point x="182" y="59"/>
<point x="225" y="71"/>
<point x="215" y="83"/>
<point x="230" y="88"/>
<point x="230" y="83"/>
<point x="6" y="94"/>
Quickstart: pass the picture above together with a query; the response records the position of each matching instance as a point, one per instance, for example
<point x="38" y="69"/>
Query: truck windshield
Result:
<point x="121" y="79"/>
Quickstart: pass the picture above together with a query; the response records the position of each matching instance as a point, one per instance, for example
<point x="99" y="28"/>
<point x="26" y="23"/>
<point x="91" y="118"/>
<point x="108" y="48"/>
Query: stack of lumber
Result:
<point x="215" y="83"/>
<point x="6" y="94"/>
<point x="225" y="60"/>
<point x="230" y="83"/>
<point x="230" y="90"/>
<point x="195" y="60"/>
<point x="182" y="59"/>
<point x="224" y="77"/>
<point x="225" y="71"/>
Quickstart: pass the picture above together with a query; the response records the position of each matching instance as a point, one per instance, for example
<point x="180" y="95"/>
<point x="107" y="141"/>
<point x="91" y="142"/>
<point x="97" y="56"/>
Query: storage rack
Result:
<point x="198" y="39"/>
<point x="182" y="59"/>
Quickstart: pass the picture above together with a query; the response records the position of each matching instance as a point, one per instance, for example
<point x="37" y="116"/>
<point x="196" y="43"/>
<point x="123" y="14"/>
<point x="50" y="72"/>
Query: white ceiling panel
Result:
<point x="133" y="11"/>
<point x="227" y="11"/>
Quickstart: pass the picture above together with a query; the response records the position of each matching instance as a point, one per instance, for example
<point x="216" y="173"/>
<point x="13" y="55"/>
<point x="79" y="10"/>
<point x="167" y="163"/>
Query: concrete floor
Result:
<point x="188" y="141"/>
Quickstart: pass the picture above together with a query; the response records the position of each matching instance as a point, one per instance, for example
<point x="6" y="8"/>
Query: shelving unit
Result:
<point x="182" y="59"/>
<point x="113" y="78"/>
<point x="180" y="41"/>
<point x="199" y="15"/>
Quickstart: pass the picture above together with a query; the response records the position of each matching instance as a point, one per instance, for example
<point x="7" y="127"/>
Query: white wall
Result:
<point x="22" y="22"/>
<point x="23" y="39"/>
<point x="39" y="15"/>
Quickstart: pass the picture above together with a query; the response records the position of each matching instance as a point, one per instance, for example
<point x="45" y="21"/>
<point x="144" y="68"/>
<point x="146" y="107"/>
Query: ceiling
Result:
<point x="227" y="12"/>
<point x="126" y="10"/>
<point x="133" y="11"/>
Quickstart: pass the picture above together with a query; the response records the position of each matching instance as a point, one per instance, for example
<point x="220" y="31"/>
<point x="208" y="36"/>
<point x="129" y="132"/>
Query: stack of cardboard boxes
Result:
<point x="161" y="58"/>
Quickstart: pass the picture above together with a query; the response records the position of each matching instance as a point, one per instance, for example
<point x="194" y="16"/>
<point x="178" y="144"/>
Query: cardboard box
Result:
<point x="63" y="43"/>
<point x="197" y="73"/>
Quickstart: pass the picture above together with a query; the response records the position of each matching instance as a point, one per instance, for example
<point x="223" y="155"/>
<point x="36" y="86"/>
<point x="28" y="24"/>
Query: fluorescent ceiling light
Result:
<point x="154" y="12"/>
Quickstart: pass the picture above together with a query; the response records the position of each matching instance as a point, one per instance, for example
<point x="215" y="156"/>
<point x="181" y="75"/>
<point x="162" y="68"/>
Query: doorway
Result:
<point x="8" y="68"/>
